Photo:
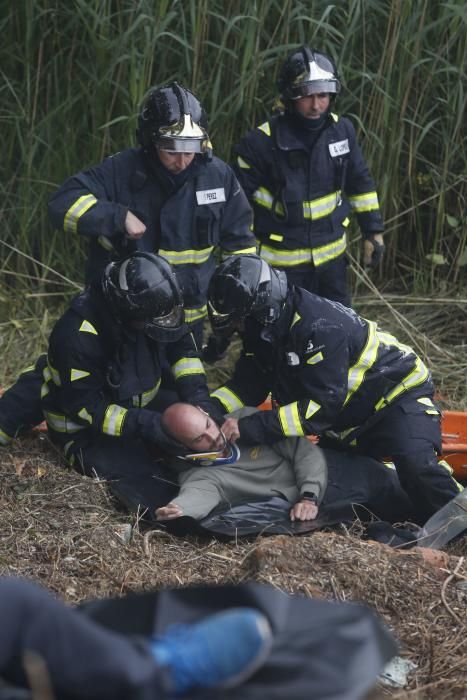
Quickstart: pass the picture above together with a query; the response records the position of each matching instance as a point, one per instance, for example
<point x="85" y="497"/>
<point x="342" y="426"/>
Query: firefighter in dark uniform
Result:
<point x="304" y="174"/>
<point x="104" y="386"/>
<point x="330" y="373"/>
<point x="169" y="196"/>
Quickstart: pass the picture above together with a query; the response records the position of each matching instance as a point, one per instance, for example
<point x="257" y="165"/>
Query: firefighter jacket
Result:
<point x="187" y="216"/>
<point x="327" y="369"/>
<point x="100" y="377"/>
<point x="302" y="199"/>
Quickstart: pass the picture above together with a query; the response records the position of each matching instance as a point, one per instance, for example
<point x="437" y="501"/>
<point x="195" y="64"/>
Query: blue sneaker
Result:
<point x="221" y="651"/>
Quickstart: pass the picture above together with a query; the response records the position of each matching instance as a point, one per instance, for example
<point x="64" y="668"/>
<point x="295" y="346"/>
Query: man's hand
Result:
<point x="230" y="429"/>
<point x="168" y="512"/>
<point x="373" y="250"/>
<point x="134" y="227"/>
<point x="304" y="510"/>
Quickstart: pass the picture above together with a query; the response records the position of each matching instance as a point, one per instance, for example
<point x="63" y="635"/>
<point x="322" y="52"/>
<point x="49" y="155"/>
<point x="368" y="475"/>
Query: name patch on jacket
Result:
<point x="210" y="196"/>
<point x="339" y="148"/>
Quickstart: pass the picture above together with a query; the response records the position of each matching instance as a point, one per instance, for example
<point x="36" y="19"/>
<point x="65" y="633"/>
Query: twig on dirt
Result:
<point x="153" y="533"/>
<point x="444" y="587"/>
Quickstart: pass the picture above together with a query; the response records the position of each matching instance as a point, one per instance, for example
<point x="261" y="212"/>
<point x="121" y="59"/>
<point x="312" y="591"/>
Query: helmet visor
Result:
<point x="222" y="324"/>
<point x="184" y="137"/>
<point x="174" y="319"/>
<point x="174" y="144"/>
<point x="313" y="88"/>
<point x="168" y="328"/>
<point x="319" y="76"/>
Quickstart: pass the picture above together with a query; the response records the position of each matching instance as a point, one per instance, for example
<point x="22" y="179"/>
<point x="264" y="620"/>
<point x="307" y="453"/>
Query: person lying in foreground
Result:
<point x="43" y="640"/>
<point x="217" y="474"/>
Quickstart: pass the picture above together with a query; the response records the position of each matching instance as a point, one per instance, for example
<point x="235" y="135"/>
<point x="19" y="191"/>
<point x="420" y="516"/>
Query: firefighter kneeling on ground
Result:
<point x="118" y="356"/>
<point x="330" y="373"/>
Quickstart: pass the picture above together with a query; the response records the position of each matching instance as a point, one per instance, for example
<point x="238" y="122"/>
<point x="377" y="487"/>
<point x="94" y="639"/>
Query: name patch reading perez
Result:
<point x="209" y="196"/>
<point x="339" y="148"/>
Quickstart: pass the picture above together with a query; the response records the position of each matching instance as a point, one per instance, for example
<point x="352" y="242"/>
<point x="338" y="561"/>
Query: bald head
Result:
<point x="193" y="427"/>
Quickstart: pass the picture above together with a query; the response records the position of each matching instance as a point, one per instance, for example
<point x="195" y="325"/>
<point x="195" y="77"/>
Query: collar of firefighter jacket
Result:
<point x="288" y="133"/>
<point x="167" y="180"/>
<point x="278" y="332"/>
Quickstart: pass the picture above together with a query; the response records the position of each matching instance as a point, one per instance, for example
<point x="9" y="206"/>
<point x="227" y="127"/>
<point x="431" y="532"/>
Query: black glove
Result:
<point x="215" y="349"/>
<point x="378" y="253"/>
<point x="377" y="249"/>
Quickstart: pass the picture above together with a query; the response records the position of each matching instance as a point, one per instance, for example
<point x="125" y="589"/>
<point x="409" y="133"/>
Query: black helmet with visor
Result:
<point x="143" y="288"/>
<point x="308" y="72"/>
<point x="245" y="285"/>
<point x="173" y="119"/>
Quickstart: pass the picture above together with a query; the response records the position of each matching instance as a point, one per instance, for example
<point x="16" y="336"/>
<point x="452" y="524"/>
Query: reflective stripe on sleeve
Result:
<point x="290" y="419"/>
<point x="264" y="198"/>
<point x="61" y="423"/>
<point x="113" y="419"/>
<point x="228" y="399"/>
<point x="187" y="257"/>
<point x="364" y="202"/>
<point x="186" y="367"/>
<point x="192" y="315"/>
<point x="76" y="211"/>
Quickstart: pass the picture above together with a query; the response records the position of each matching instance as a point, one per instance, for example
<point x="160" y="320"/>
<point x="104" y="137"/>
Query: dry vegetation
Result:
<point x="64" y="531"/>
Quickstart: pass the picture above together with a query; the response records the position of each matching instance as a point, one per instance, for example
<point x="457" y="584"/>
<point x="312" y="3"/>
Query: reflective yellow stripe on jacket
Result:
<point x="244" y="251"/>
<point x="323" y="206"/>
<point x="147" y="396"/>
<point x="228" y="399"/>
<point x="264" y="198"/>
<point x="113" y="419"/>
<point x="186" y="367"/>
<point x="61" y="423"/>
<point x="417" y="376"/>
<point x="289" y="417"/>
<point x="278" y="257"/>
<point x="187" y="257"/>
<point x="365" y="361"/>
<point x="76" y="211"/>
<point x="193" y="315"/>
<point x="364" y="202"/>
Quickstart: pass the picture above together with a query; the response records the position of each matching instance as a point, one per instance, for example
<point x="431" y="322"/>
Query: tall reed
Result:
<point x="73" y="75"/>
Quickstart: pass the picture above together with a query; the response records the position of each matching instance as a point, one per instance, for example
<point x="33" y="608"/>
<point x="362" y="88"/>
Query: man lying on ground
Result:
<point x="218" y="473"/>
